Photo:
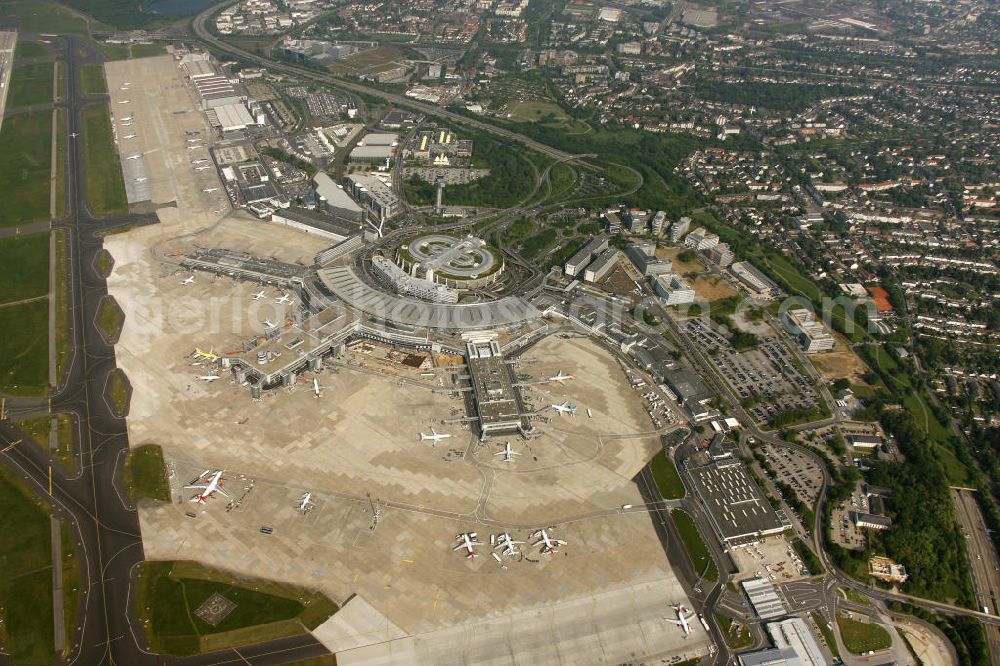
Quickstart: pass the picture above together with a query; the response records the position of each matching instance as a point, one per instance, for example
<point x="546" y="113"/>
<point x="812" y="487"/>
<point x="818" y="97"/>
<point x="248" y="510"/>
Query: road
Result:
<point x="983" y="560"/>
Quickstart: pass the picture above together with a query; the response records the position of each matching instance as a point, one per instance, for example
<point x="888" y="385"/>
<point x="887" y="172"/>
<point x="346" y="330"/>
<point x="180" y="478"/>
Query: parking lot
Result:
<point x="796" y="469"/>
<point x="844" y="531"/>
<point x="766" y="373"/>
<point x="773" y="558"/>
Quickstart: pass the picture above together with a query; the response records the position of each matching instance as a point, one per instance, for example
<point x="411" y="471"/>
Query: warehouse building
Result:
<point x="763" y="598"/>
<point x="811" y="334"/>
<point x="230" y="117"/>
<point x="575" y="265"/>
<point x="333" y="199"/>
<point x="736" y="507"/>
<point x="316" y="224"/>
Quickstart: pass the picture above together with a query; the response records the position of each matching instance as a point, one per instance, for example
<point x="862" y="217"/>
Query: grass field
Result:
<point x="42" y="16"/>
<point x="24" y="348"/>
<point x="25" y="170"/>
<point x="60" y="88"/>
<point x="30" y="84"/>
<point x="173" y="591"/>
<point x="535" y="111"/>
<point x="828" y="637"/>
<point x="61" y="292"/>
<point x="702" y="560"/>
<point x="145" y="475"/>
<point x="105" y="263"/>
<point x="71" y="581"/>
<point x="105" y="188"/>
<point x="24" y="267"/>
<point x="39" y="429"/>
<point x="860" y="637"/>
<point x="736" y="633"/>
<point x="92" y="79"/>
<point x="111" y="318"/>
<point x="25" y="574"/>
<point x="667" y="479"/>
<point x="31" y="49"/>
<point x="118" y="391"/>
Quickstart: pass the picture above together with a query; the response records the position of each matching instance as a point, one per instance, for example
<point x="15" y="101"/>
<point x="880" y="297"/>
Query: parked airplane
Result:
<point x="508" y="453"/>
<point x="141" y="180"/>
<point x="215" y="485"/>
<point x="188" y="280"/>
<point x="509" y="545"/>
<point x="193" y="140"/>
<point x="681" y="620"/>
<point x="560" y="377"/>
<point x="124" y="101"/>
<point x="130" y="136"/>
<point x="259" y="295"/>
<point x="209" y="378"/>
<point x="565" y="408"/>
<point x="207" y="355"/>
<point x="198" y="161"/>
<point x="305" y="502"/>
<point x="285" y="298"/>
<point x="194" y="147"/>
<point x="548" y="544"/>
<point x="202" y="168"/>
<point x="317" y="389"/>
<point x="127" y="118"/>
<point x="467" y="541"/>
<point x="210" y="189"/>
<point x="268" y="324"/>
<point x="435" y="436"/>
<point x="134" y="157"/>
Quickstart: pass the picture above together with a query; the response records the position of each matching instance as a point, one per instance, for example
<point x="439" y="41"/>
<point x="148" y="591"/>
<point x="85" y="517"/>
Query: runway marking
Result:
<point x="11" y="445"/>
<point x="437" y="596"/>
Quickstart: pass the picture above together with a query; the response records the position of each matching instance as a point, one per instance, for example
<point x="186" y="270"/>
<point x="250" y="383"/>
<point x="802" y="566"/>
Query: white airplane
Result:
<point x="305" y="502"/>
<point x="435" y="436"/>
<point x="508" y="453"/>
<point x="207" y="355"/>
<point x="215" y="485"/>
<point x="124" y="101"/>
<point x="259" y="295"/>
<point x="73" y="135"/>
<point x="193" y="147"/>
<point x="468" y="540"/>
<point x="134" y="157"/>
<point x="193" y="140"/>
<point x="210" y="189"/>
<point x="285" y="298"/>
<point x="548" y="544"/>
<point x="209" y="378"/>
<point x="141" y="180"/>
<point x="268" y="323"/>
<point x="127" y="119"/>
<point x="188" y="280"/>
<point x="509" y="545"/>
<point x="560" y="377"/>
<point x="317" y="389"/>
<point x="681" y="620"/>
<point x="198" y="161"/>
<point x="565" y="408"/>
<point x="201" y="168"/>
<point x="130" y="136"/>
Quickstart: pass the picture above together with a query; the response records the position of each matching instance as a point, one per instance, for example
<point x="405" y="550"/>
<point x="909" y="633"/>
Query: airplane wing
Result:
<point x="222" y="491"/>
<point x="197" y="486"/>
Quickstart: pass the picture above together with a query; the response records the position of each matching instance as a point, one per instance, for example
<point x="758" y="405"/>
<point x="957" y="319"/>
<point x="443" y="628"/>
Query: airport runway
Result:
<point x="105" y="525"/>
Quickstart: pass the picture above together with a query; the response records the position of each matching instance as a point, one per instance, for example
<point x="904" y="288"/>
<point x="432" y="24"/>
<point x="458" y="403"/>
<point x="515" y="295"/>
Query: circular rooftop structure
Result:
<point x="463" y="263"/>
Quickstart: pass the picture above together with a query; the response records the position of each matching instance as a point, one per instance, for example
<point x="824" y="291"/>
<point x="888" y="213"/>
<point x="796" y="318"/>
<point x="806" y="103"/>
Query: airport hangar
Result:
<point x="343" y="305"/>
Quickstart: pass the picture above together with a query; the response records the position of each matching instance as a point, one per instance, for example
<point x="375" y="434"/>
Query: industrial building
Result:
<point x="756" y="281"/>
<point x="763" y="598"/>
<point x="601" y="266"/>
<point x="407" y="285"/>
<point x="691" y="391"/>
<point x="375" y="148"/>
<point x="250" y="183"/>
<point x="810" y="333"/>
<point x="672" y="289"/>
<point x="498" y="405"/>
<point x="332" y="198"/>
<point x="794" y="645"/>
<point x="316" y="223"/>
<point x="736" y="507"/>
<point x="230" y="117"/>
<point x="575" y="265"/>
<point x="374" y="194"/>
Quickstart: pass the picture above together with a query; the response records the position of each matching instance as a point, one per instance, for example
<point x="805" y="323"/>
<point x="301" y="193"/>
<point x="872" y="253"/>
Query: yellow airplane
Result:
<point x="207" y="355"/>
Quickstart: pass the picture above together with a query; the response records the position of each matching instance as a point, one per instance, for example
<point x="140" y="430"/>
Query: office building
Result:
<point x="811" y="334"/>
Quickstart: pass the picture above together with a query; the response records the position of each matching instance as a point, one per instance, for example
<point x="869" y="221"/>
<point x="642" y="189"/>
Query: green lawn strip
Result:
<point x="147" y="50"/>
<point x="24" y="348"/>
<point x="808" y="557"/>
<point x="701" y="559"/>
<point x="668" y="481"/>
<point x="38" y="429"/>
<point x="25" y="170"/>
<point x="92" y="79"/>
<point x="66" y="441"/>
<point x="111" y="318"/>
<point x="118" y="391"/>
<point x="61" y="292"/>
<point x="25" y="574"/>
<point x="827" y="633"/>
<point x="70" y="580"/>
<point x="30" y="84"/>
<point x="60" y="162"/>
<point x="860" y="637"/>
<point x="27" y="48"/>
<point x="171" y="592"/>
<point x="25" y="267"/>
<point x="145" y="474"/>
<point x="105" y="188"/>
<point x="60" y="81"/>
